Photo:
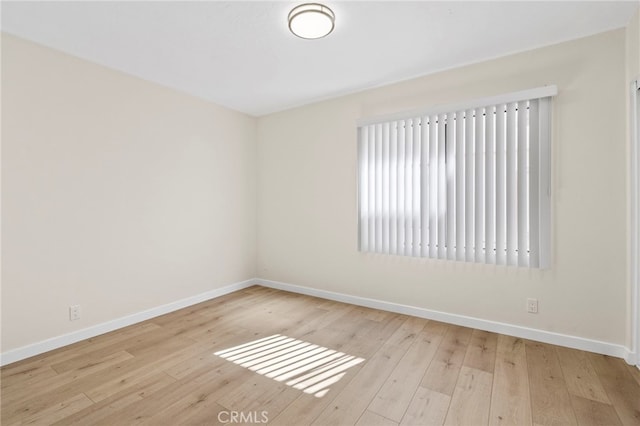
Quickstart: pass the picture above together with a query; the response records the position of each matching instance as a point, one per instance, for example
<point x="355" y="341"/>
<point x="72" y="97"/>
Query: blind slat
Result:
<point x="534" y="185"/>
<point x="523" y="214"/>
<point x="442" y="188"/>
<point x="490" y="180"/>
<point x="416" y="187"/>
<point x="450" y="185"/>
<point x="393" y="189"/>
<point x="479" y="204"/>
<point x="408" y="182"/>
<point x="401" y="187"/>
<point x="501" y="186"/>
<point x="363" y="195"/>
<point x="512" y="188"/>
<point x="544" y="112"/>
<point x="433" y="187"/>
<point x="372" y="187"/>
<point x="385" y="188"/>
<point x="469" y="195"/>
<point x="378" y="190"/>
<point x="424" y="188"/>
<point x="460" y="186"/>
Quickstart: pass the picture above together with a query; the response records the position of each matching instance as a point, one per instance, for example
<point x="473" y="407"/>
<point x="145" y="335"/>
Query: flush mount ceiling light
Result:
<point x="311" y="20"/>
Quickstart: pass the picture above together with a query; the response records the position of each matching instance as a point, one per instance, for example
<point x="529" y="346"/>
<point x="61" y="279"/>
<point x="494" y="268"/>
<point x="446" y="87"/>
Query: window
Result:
<point x="468" y="182"/>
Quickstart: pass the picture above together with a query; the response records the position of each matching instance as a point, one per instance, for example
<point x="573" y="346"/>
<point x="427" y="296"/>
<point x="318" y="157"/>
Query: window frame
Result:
<point x="541" y="96"/>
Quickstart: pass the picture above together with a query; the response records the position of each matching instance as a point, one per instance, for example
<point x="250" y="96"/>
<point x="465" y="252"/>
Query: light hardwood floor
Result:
<point x="319" y="362"/>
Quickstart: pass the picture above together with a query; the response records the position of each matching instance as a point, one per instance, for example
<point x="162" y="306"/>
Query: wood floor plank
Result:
<point x="349" y="365"/>
<point x="191" y="326"/>
<point x="306" y="408"/>
<point x="550" y="402"/>
<point x="481" y="352"/>
<point x="208" y="400"/>
<point x="352" y="401"/>
<point x="150" y="334"/>
<point x="374" y="338"/>
<point x="471" y="399"/>
<point x="307" y="330"/>
<point x="635" y="372"/>
<point x="347" y="339"/>
<point x="306" y="320"/>
<point x="90" y="361"/>
<point x="580" y="376"/>
<point x="406" y="334"/>
<point x="623" y="391"/>
<point x="56" y="412"/>
<point x="266" y="317"/>
<point x="427" y="407"/>
<point x="27" y="375"/>
<point x="510" y="402"/>
<point x="38" y="395"/>
<point x="396" y="393"/>
<point x="30" y="366"/>
<point x="147" y="408"/>
<point x="107" y="407"/>
<point x="98" y="389"/>
<point x="594" y="413"/>
<point x="259" y="394"/>
<point x="164" y="344"/>
<point x="442" y="374"/>
<point x="206" y="413"/>
<point x="337" y="338"/>
<point x="205" y="358"/>
<point x="373" y="419"/>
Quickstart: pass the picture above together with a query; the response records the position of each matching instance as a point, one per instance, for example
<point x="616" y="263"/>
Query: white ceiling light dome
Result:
<point x="311" y="20"/>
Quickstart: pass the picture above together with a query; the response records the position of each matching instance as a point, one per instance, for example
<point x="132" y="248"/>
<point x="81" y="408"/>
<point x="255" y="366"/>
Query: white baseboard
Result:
<point x="596" y="346"/>
<point x="632" y="358"/>
<point x="105" y="327"/>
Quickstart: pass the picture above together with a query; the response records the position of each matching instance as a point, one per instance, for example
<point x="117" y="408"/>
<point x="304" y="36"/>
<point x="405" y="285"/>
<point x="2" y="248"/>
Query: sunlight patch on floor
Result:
<point x="301" y="365"/>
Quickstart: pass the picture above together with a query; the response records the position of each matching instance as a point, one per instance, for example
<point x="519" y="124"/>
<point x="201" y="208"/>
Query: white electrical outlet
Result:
<point x="532" y="306"/>
<point x="74" y="312"/>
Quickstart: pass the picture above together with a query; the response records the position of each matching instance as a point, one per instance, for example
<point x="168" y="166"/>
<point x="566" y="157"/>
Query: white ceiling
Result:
<point x="241" y="54"/>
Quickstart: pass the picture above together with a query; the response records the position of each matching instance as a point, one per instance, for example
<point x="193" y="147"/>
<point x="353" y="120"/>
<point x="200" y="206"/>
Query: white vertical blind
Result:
<point x="490" y="185"/>
<point x="460" y="186"/>
<point x="416" y="204"/>
<point x="442" y="189"/>
<point x="469" y="246"/>
<point x="433" y="187"/>
<point x="386" y="205"/>
<point x="544" y="168"/>
<point x="534" y="185"/>
<point x="521" y="191"/>
<point x="393" y="188"/>
<point x="479" y="185"/>
<point x="471" y="183"/>
<point x="451" y="187"/>
<point x="512" y="184"/>
<point x="424" y="186"/>
<point x="501" y="186"/>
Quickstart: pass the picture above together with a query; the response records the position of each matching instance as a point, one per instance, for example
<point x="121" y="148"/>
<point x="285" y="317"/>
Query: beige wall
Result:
<point x="307" y="196"/>
<point x="120" y="195"/>
<point x="117" y="194"/>
<point x="633" y="47"/>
